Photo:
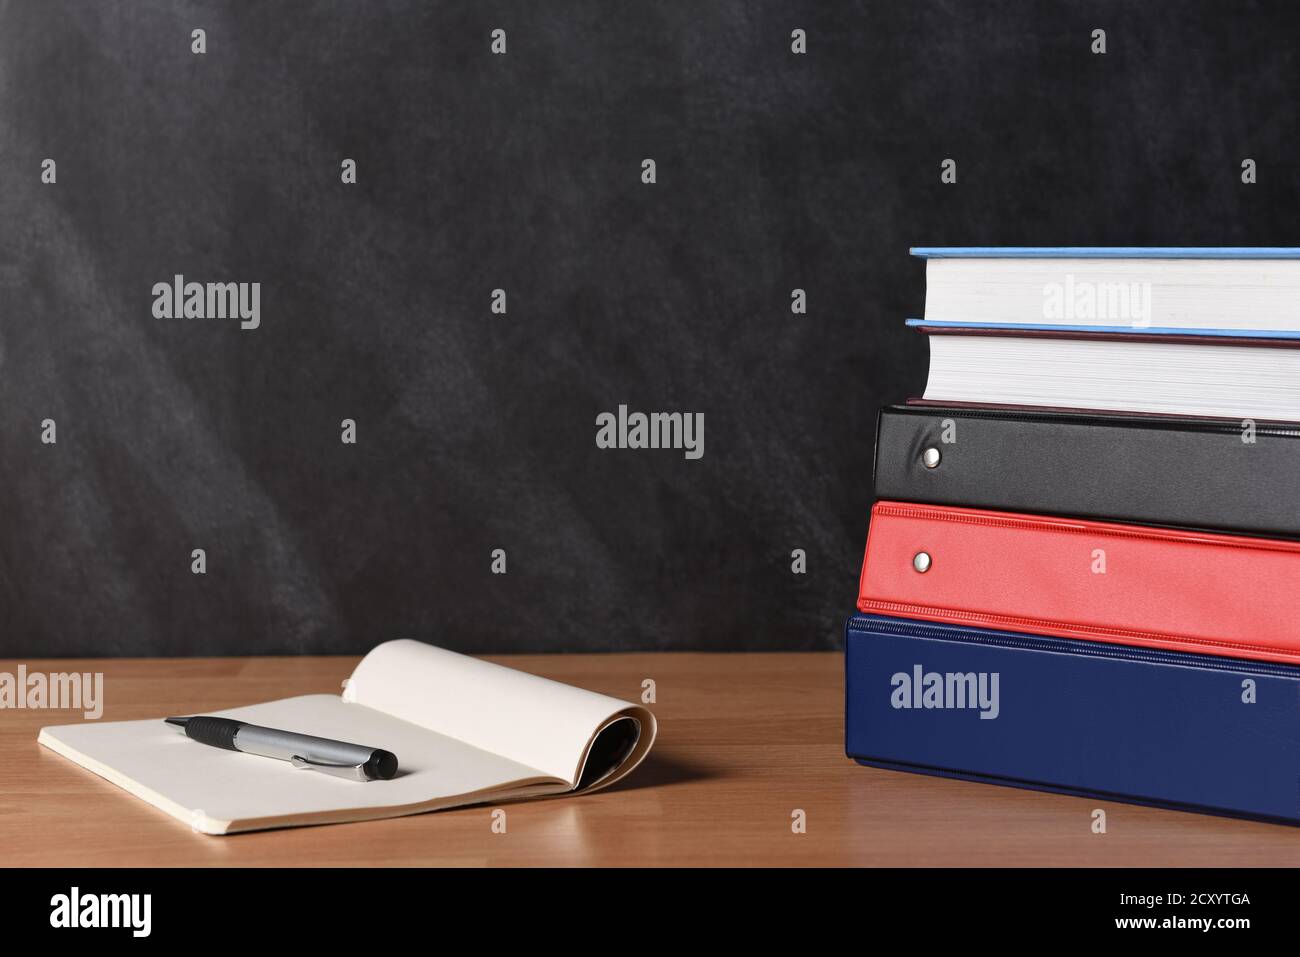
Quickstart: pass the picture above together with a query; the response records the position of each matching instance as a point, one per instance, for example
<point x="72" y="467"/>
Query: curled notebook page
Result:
<point x="543" y="724"/>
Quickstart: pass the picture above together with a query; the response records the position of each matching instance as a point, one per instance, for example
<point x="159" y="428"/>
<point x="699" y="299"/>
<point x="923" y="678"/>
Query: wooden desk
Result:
<point x="744" y="740"/>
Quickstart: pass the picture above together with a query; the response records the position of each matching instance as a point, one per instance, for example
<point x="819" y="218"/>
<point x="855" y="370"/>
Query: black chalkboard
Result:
<point x="523" y="171"/>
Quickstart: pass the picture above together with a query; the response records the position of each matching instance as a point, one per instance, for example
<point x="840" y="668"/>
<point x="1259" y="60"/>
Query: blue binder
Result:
<point x="1192" y="732"/>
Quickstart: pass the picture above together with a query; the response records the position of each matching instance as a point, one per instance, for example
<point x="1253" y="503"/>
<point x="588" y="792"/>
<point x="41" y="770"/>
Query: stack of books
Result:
<point x="1083" y="567"/>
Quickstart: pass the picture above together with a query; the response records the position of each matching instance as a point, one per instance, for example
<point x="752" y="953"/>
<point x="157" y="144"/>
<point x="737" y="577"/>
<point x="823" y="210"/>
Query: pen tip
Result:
<point x="179" y="722"/>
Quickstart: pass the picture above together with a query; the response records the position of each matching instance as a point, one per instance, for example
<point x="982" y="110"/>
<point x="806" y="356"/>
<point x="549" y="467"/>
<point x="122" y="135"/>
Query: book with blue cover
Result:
<point x="1213" y="291"/>
<point x="1106" y="252"/>
<point x="1212" y="332"/>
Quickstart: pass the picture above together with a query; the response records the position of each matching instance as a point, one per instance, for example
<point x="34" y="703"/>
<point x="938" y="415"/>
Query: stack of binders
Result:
<point x="1082" y="572"/>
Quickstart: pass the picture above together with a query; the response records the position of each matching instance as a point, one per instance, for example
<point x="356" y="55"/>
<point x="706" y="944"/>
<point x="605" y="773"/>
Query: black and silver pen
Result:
<point x="355" y="762"/>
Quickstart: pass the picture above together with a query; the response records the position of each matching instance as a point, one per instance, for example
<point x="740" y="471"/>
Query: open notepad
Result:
<point x="465" y="731"/>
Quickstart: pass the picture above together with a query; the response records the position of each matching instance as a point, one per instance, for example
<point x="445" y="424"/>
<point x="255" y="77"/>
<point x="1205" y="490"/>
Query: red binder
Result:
<point x="1098" y="581"/>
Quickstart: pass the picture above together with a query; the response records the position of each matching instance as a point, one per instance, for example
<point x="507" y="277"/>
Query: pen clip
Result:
<point x="351" y="772"/>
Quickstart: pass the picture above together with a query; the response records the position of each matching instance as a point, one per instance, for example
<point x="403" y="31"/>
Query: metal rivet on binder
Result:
<point x="930" y="458"/>
<point x="921" y="562"/>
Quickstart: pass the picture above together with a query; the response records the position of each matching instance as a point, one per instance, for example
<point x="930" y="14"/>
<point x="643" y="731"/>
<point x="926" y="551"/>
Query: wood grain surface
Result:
<point x="745" y="739"/>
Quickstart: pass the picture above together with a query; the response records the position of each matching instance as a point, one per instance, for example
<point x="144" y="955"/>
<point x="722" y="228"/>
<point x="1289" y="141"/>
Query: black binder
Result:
<point x="1211" y="474"/>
